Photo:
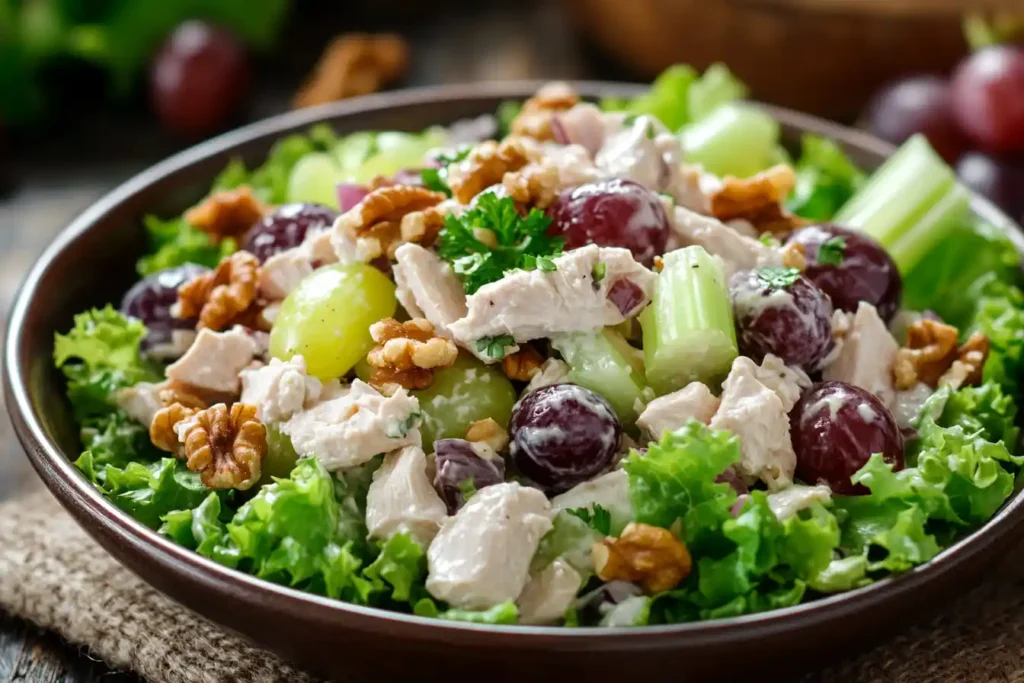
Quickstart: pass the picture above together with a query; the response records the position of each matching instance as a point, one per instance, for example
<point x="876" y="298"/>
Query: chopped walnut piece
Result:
<point x="644" y="554"/>
<point x="354" y="64"/>
<point x="534" y="119"/>
<point x="407" y="354"/>
<point x="390" y="216"/>
<point x="183" y="394"/>
<point x="226" y="446"/>
<point x="757" y="199"/>
<point x="488" y="431"/>
<point x="929" y="352"/>
<point x="534" y="185"/>
<point x="161" y="429"/>
<point x="223" y="297"/>
<point x="967" y="369"/>
<point x="486" y="165"/>
<point x="523" y="364"/>
<point x="794" y="256"/>
<point x="228" y="213"/>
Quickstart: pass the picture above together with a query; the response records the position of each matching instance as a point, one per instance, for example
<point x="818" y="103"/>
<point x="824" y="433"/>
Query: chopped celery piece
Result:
<point x="736" y="139"/>
<point x="688" y="328"/>
<point x="718" y="86"/>
<point x="605" y="363"/>
<point x="314" y="179"/>
<point x="909" y="204"/>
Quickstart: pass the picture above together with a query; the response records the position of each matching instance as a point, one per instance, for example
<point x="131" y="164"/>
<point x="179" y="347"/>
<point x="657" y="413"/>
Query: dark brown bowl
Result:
<point x="90" y="264"/>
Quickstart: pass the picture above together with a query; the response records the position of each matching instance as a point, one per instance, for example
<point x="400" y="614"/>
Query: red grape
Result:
<point x="835" y="428"/>
<point x="612" y="213"/>
<point x="998" y="178"/>
<point x="563" y="435"/>
<point x="285" y="228"/>
<point x="458" y="465"/>
<point x="921" y="104"/>
<point x="851" y="268"/>
<point x="988" y="97"/>
<point x="781" y="312"/>
<point x="151" y="298"/>
<point x="199" y="78"/>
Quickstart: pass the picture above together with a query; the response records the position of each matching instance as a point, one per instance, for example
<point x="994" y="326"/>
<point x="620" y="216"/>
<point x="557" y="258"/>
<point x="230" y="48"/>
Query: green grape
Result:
<point x="460" y="395"/>
<point x="353" y="150"/>
<point x="280" y="458"/>
<point x="396" y="151"/>
<point x="327" y="318"/>
<point x="314" y="179"/>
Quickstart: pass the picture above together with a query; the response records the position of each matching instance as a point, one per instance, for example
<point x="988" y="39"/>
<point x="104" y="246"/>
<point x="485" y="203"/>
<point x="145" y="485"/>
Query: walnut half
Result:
<point x="757" y="199"/>
<point x="928" y="353"/>
<point x="390" y="216"/>
<point x="227" y="213"/>
<point x="225" y="296"/>
<point x="407" y="354"/>
<point x="648" y="555"/>
<point x="523" y="364"/>
<point x="225" y="445"/>
<point x="535" y="118"/>
<point x="486" y="165"/>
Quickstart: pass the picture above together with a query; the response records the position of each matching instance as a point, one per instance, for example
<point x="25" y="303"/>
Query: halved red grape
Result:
<point x="988" y="97"/>
<point x="199" y="78"/>
<point x="612" y="213"/>
<point x="835" y="428"/>
<point x="563" y="435"/>
<point x="459" y="469"/>
<point x="779" y="311"/>
<point x="850" y="267"/>
<point x="919" y="104"/>
<point x="286" y="227"/>
<point x="1000" y="179"/>
<point x="151" y="298"/>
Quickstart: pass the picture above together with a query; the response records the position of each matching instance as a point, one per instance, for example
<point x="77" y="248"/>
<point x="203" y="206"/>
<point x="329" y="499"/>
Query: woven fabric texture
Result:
<point x="53" y="574"/>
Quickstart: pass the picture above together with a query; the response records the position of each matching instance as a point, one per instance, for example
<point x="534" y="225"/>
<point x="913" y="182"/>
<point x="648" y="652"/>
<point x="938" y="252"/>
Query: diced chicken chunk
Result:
<point x="140" y="401"/>
<point x="738" y="252"/>
<point x="173" y="348"/>
<point x="787" y="382"/>
<point x="535" y="304"/>
<point x="583" y="125"/>
<point x="282" y="272"/>
<point x="553" y="371"/>
<point x="280" y="389"/>
<point x="213" y="362"/>
<point x="907" y="404"/>
<point x="402" y="499"/>
<point x="867" y="355"/>
<point x="481" y="557"/>
<point x="549" y="593"/>
<point x="790" y="501"/>
<point x="353" y="423"/>
<point x="756" y="414"/>
<point x="641" y="152"/>
<point x="672" y="411"/>
<point x="610" y="491"/>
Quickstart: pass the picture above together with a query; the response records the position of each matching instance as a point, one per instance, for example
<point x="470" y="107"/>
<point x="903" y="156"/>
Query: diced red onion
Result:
<point x="558" y="130"/>
<point x="732" y="478"/>
<point x="737" y="507"/>
<point x="626" y="295"/>
<point x="350" y="194"/>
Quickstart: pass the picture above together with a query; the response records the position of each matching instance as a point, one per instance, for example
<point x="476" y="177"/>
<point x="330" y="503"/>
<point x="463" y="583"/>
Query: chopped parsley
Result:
<point x="597" y="518"/>
<point x="779" y="278"/>
<point x="467" y="487"/>
<point x="494" y="347"/>
<point x="396" y="430"/>
<point x="599" y="271"/>
<point x="769" y="240"/>
<point x="436" y="179"/>
<point x="832" y="252"/>
<point x="522" y="241"/>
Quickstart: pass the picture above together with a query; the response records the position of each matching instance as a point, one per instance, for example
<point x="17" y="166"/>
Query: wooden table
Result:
<point x="58" y="175"/>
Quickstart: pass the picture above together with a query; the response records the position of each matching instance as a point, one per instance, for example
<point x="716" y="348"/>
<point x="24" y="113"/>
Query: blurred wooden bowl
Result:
<point x="822" y="56"/>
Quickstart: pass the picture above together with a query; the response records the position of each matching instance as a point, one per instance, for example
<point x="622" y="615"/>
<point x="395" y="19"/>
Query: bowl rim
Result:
<point x="73" y="490"/>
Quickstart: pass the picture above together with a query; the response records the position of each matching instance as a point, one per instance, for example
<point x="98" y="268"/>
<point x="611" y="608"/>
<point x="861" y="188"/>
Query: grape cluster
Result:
<point x="975" y="120"/>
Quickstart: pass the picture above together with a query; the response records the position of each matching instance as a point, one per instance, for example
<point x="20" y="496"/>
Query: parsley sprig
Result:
<point x="832" y="252"/>
<point x="597" y="518"/>
<point x="436" y="179"/>
<point x="522" y="242"/>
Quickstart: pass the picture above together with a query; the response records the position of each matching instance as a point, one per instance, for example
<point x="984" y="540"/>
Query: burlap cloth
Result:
<point x="51" y="573"/>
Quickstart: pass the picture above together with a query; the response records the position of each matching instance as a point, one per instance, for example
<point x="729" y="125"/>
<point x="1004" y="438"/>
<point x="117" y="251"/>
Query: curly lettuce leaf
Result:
<point x="985" y="409"/>
<point x="98" y="356"/>
<point x="826" y="178"/>
<point x="174" y="242"/>
<point x="999" y="315"/>
<point x="148" y="491"/>
<point x="674" y="482"/>
<point x="399" y="570"/>
<point x="505" y="613"/>
<point x="116" y="439"/>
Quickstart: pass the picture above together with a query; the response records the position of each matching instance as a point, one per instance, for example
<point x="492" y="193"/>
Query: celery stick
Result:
<point x="605" y="363"/>
<point x="688" y="328"/>
<point x="909" y="204"/>
<point x="735" y="139"/>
